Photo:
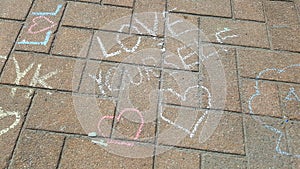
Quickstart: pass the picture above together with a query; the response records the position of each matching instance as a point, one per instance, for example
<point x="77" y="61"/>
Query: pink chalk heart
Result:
<point x="137" y="135"/>
<point x="36" y="23"/>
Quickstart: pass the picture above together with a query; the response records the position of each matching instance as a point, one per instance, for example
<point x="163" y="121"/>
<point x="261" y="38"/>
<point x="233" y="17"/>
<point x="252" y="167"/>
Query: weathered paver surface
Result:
<point x="150" y="84"/>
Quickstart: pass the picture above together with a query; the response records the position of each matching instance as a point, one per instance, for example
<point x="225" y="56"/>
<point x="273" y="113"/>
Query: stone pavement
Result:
<point x="150" y="84"/>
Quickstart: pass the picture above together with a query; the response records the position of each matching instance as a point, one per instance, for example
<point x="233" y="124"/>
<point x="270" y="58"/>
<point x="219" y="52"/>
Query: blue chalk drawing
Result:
<point x="258" y="93"/>
<point x="48" y="34"/>
<point x="49" y="13"/>
<point x="291" y="93"/>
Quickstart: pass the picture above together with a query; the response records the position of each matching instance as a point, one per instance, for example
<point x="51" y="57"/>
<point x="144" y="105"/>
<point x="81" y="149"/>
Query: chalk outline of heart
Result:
<point x="195" y="127"/>
<point x="14" y="124"/>
<point x="118" y="119"/>
<point x="35" y="24"/>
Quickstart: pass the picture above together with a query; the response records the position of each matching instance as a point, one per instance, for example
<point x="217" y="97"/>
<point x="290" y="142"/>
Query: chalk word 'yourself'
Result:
<point x="36" y="79"/>
<point x="258" y="93"/>
<point x="49" y="13"/>
<point x="6" y="114"/>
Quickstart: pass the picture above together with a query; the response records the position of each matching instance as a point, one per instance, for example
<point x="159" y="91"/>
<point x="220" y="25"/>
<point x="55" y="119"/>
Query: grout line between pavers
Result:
<point x="58" y="27"/>
<point x="23" y="125"/>
<point x="61" y="153"/>
<point x="132" y="15"/>
<point x="13" y="20"/>
<point x="100" y="4"/>
<point x="267" y="26"/>
<point x="239" y="81"/>
<point x="159" y="107"/>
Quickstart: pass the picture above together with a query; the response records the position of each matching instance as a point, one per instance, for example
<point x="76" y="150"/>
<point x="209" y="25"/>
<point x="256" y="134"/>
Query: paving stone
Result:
<point x="251" y="10"/>
<point x="267" y="103"/>
<point x="211" y="133"/>
<point x="228" y="67"/>
<point x="281" y="13"/>
<point x="37" y="150"/>
<point x="8" y="33"/>
<point x="40" y="28"/>
<point x="72" y="42"/>
<point x="46" y="71"/>
<point x="290" y="100"/>
<point x="147" y="6"/>
<point x="290" y="37"/>
<point x="252" y="62"/>
<point x="15" y="9"/>
<point x="204" y="7"/>
<point x="97" y="157"/>
<point x="261" y="143"/>
<point x="96" y="16"/>
<point x="128" y="3"/>
<point x="222" y="161"/>
<point x="53" y="111"/>
<point x="9" y="103"/>
<point x="176" y="159"/>
<point x="125" y="48"/>
<point x="244" y="33"/>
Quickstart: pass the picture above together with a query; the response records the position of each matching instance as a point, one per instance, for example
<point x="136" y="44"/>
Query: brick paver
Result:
<point x="138" y="83"/>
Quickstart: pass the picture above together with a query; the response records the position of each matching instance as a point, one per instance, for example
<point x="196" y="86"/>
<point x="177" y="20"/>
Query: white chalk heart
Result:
<point x="6" y="114"/>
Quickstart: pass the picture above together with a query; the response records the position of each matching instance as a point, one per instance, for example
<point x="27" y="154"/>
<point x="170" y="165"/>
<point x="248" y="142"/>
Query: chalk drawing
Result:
<point x="292" y="95"/>
<point x="137" y="135"/>
<point x="152" y="32"/>
<point x="100" y="142"/>
<point x="47" y="38"/>
<point x="105" y="54"/>
<point x="182" y="58"/>
<point x="36" y="79"/>
<point x="258" y="93"/>
<point x="19" y="74"/>
<point x="99" y="81"/>
<point x="200" y="120"/>
<point x="49" y="13"/>
<point x="183" y="96"/>
<point x="3" y="57"/>
<point x="133" y="49"/>
<point x="220" y="38"/>
<point x="6" y="114"/>
<point x="34" y="20"/>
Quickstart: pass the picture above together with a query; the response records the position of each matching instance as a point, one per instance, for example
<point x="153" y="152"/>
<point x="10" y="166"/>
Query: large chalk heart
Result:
<point x="36" y="23"/>
<point x="138" y="132"/>
<point x="6" y="114"/>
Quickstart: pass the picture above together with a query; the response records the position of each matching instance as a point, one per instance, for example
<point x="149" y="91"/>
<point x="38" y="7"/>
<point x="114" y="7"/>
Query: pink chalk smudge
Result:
<point x="34" y="20"/>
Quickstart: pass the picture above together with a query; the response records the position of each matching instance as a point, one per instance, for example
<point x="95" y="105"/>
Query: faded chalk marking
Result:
<point x="191" y="133"/>
<point x="35" y="24"/>
<point x="6" y="114"/>
<point x="49" y="13"/>
<point x="220" y="38"/>
<point x="47" y="38"/>
<point x="258" y="93"/>
<point x="292" y="95"/>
